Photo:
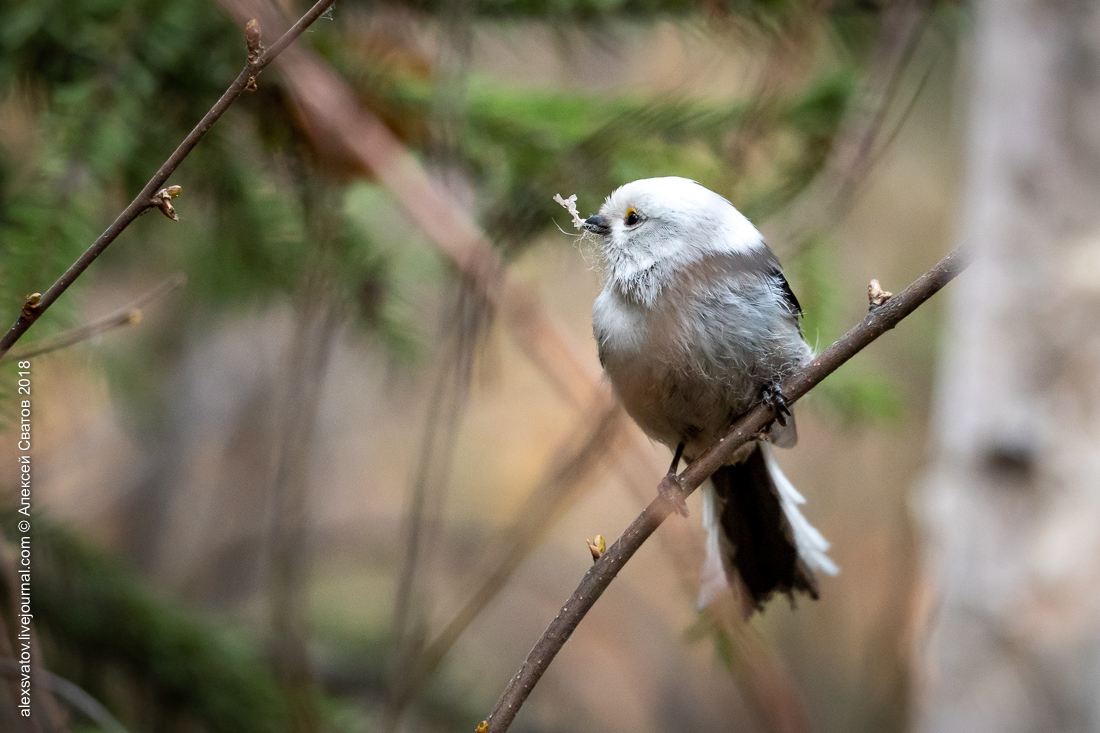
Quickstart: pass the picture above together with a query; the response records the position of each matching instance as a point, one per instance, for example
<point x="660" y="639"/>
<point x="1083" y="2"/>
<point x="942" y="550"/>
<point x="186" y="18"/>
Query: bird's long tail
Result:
<point x="756" y="534"/>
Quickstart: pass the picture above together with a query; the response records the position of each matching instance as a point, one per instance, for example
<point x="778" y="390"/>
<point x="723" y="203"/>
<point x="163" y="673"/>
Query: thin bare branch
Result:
<point x="769" y="689"/>
<point x="879" y="320"/>
<point x="73" y="694"/>
<point x="310" y="351"/>
<point x="45" y="704"/>
<point x="7" y="652"/>
<point x="858" y="144"/>
<point x="447" y="407"/>
<point x="131" y="315"/>
<point x="902" y="26"/>
<point x="555" y="492"/>
<point x="77" y="697"/>
<point x="333" y="115"/>
<point x="149" y="196"/>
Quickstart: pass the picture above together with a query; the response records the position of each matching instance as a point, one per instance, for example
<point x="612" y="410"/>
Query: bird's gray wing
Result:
<point x="769" y="264"/>
<point x="748" y="327"/>
<point x="784" y="436"/>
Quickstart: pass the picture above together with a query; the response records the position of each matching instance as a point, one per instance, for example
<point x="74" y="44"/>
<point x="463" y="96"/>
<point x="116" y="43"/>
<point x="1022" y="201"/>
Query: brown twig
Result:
<point x="902" y="26"/>
<point x="596" y="580"/>
<point x="71" y="693"/>
<point x="560" y="487"/>
<point x="856" y="146"/>
<point x="769" y="689"/>
<point x="151" y="196"/>
<point x="309" y="354"/>
<point x="128" y="316"/>
<point x="45" y="704"/>
<point x="447" y="407"/>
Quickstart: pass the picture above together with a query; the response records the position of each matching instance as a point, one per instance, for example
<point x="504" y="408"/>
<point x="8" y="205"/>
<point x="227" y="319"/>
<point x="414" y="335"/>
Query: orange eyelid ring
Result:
<point x="632" y="217"/>
<point x="629" y="212"/>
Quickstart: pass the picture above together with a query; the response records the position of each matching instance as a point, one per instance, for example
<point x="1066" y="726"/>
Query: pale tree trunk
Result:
<point x="1011" y="508"/>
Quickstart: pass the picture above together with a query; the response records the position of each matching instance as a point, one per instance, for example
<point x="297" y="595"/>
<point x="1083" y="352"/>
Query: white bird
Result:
<point x="695" y="325"/>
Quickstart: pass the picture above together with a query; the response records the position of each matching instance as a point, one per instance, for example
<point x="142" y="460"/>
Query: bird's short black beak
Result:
<point x="598" y="225"/>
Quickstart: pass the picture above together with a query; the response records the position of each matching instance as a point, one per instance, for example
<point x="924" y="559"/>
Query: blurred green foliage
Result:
<point x="764" y="13"/>
<point x="158" y="667"/>
<point x="106" y="631"/>
<point x="856" y="392"/>
<point x="113" y="85"/>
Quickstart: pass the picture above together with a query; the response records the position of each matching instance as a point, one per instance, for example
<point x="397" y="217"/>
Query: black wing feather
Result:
<point x="788" y="294"/>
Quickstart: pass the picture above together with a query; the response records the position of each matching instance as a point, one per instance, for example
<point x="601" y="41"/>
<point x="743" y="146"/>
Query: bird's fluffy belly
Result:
<point x="687" y="373"/>
<point x="672" y="406"/>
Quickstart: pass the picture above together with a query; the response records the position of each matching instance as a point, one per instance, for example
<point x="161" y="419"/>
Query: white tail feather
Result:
<point x="811" y="545"/>
<point x="712" y="581"/>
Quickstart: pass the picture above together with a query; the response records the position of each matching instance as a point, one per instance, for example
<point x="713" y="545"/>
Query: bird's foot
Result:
<point x="671" y="490"/>
<point x="772" y="396"/>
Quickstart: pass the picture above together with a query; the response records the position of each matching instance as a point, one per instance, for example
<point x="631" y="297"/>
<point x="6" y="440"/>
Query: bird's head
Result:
<point x="664" y="223"/>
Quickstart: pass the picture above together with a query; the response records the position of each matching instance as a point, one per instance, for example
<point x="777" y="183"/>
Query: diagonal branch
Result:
<point x="858" y="143"/>
<point x="561" y="486"/>
<point x="150" y="196"/>
<point x="129" y="316"/>
<point x="53" y="719"/>
<point x="447" y="409"/>
<point x="331" y="113"/>
<point x="879" y="320"/>
<point x="71" y="693"/>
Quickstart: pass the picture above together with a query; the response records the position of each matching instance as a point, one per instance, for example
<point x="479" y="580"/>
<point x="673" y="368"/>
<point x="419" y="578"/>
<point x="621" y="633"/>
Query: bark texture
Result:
<point x="1011" y="508"/>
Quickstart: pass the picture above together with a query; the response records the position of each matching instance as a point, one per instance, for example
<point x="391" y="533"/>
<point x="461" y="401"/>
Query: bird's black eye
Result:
<point x="632" y="218"/>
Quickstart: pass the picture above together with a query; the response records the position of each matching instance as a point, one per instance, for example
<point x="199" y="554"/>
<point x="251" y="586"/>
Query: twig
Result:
<point x="8" y="652"/>
<point x="46" y="704"/>
<point x="902" y="26"/>
<point x="596" y="580"/>
<point x="856" y="146"/>
<point x="310" y="351"/>
<point x="769" y="690"/>
<point x="73" y="694"/>
<point x="561" y="486"/>
<point x="151" y="196"/>
<point x="447" y="409"/>
<point x="128" y="316"/>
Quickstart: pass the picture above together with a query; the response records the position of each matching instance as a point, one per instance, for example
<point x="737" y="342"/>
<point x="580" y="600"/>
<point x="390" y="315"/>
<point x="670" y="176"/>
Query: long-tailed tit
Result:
<point x="696" y="324"/>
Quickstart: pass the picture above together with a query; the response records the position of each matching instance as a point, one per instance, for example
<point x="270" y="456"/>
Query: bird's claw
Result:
<point x="773" y="397"/>
<point x="671" y="490"/>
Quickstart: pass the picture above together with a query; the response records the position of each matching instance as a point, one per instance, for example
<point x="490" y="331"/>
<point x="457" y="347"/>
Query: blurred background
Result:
<point x="338" y="473"/>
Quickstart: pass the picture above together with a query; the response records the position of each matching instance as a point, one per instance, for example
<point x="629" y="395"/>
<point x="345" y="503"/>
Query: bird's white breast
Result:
<point x="696" y="354"/>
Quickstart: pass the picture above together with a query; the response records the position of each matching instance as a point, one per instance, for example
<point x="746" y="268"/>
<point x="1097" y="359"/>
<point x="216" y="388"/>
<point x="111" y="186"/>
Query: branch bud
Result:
<point x="876" y="296"/>
<point x="482" y="727"/>
<point x="162" y="199"/>
<point x="32" y="302"/>
<point x="597" y="547"/>
<point x="252" y="38"/>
